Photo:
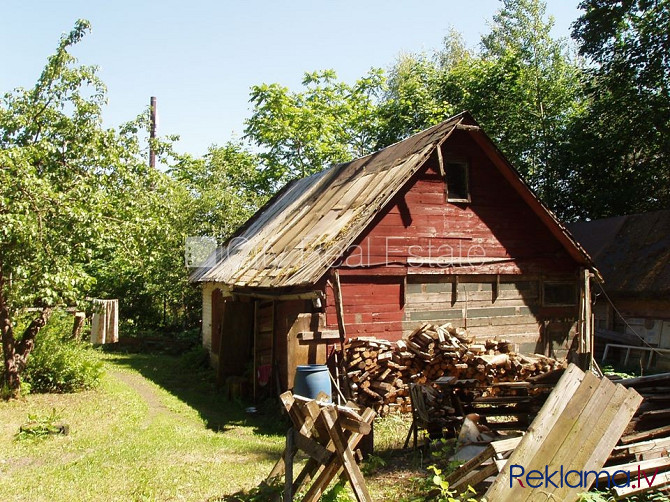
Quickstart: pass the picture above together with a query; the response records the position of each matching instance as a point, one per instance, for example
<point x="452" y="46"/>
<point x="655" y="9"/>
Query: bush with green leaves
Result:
<point x="60" y="364"/>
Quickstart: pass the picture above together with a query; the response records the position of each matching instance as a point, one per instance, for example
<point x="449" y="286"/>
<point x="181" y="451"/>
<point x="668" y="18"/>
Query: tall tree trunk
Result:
<point x="15" y="352"/>
<point x="11" y="375"/>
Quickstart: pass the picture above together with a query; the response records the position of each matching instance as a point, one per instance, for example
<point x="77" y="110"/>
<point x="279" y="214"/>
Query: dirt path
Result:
<point x="146" y="392"/>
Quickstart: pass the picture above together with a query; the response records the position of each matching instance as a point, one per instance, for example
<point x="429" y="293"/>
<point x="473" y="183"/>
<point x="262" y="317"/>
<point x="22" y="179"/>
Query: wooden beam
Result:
<point x="440" y="162"/>
<point x="339" y="308"/>
<point x="347" y="458"/>
<point x="662" y="479"/>
<point x="642" y="446"/>
<point x="312" y="448"/>
<point x="467" y="127"/>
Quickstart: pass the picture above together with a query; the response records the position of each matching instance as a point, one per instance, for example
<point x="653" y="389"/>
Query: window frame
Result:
<point x="558" y="282"/>
<point x="466" y="166"/>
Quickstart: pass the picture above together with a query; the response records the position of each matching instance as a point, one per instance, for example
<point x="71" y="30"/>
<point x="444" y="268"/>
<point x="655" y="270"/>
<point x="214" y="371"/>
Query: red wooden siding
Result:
<point x="372" y="306"/>
<point x="420" y="223"/>
<point x="496" y="224"/>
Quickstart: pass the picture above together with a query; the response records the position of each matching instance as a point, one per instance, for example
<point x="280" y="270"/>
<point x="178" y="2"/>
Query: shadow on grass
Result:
<point x="196" y="387"/>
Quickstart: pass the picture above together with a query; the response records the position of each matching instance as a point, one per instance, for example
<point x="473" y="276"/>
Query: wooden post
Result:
<point x="222" y="323"/>
<point x="152" y="132"/>
<point x="588" y="332"/>
<point x="288" y="465"/>
<point x="339" y="308"/>
<point x="253" y="370"/>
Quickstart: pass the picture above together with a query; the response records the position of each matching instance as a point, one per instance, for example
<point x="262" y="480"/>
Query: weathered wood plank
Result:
<point x="539" y="428"/>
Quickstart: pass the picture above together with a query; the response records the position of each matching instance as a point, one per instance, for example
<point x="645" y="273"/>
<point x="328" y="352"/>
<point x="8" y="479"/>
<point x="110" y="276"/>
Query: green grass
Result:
<point x="158" y="429"/>
<point x="153" y="430"/>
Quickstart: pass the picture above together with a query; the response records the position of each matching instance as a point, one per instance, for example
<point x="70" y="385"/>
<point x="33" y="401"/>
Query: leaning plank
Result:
<point x="493" y="449"/>
<point x="601" y="431"/>
<point x="540" y="427"/>
<point x="541" y="454"/>
<point x="476" y="477"/>
<point x="576" y="429"/>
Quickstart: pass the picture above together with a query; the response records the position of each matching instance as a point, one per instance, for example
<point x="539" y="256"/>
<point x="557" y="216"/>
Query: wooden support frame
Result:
<point x="328" y="434"/>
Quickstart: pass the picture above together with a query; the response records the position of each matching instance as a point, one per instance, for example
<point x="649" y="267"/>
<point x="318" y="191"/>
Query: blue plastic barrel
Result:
<point x="311" y="379"/>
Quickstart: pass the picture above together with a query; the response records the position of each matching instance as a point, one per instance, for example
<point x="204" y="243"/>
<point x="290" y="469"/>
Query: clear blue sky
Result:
<point x="199" y="58"/>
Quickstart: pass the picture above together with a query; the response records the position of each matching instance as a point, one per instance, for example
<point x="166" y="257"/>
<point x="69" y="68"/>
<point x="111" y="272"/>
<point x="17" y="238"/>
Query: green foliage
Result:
<point x="522" y="87"/>
<point x="301" y="133"/>
<point x="337" y="493"/>
<point x="53" y="166"/>
<point x="222" y="190"/>
<point x="41" y="426"/>
<point x="372" y="464"/>
<point x="59" y="364"/>
<point x="442" y="492"/>
<point x="620" y="144"/>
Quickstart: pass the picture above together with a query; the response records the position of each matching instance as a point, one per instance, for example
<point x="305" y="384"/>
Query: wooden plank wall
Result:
<point x="391" y="307"/>
<point x="509" y="308"/>
<point x="373" y="306"/>
<point x="474" y="305"/>
<point x="497" y="223"/>
<point x="386" y="295"/>
<point x="207" y="290"/>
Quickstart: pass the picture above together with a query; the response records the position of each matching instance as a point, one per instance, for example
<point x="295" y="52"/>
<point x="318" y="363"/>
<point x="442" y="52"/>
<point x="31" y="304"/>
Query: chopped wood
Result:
<point x="379" y="372"/>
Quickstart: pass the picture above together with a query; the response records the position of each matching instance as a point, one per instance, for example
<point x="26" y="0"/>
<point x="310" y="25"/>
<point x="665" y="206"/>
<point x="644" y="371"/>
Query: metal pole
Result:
<point x="152" y="133"/>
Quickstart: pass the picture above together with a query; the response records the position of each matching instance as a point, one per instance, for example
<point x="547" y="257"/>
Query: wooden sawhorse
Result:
<point x="328" y="434"/>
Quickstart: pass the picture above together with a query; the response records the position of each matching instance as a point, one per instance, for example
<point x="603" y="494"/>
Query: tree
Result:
<point x="414" y="99"/>
<point x="225" y="188"/>
<point x="531" y="86"/>
<point x="424" y="89"/>
<point x="301" y="133"/>
<point x="522" y="87"/>
<point x="621" y="142"/>
<point x="63" y="182"/>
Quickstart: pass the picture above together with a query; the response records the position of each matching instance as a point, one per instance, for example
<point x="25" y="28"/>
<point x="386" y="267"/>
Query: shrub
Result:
<point x="60" y="364"/>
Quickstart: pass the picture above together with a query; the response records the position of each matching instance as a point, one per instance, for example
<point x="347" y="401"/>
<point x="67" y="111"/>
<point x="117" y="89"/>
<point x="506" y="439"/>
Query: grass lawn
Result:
<point x="156" y="430"/>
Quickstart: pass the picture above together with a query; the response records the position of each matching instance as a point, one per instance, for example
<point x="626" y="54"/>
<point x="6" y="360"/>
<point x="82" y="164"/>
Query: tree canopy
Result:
<point x="620" y="144"/>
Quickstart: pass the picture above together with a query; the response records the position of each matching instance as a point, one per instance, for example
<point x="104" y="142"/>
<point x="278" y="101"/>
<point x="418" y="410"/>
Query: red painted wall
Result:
<point x="419" y="222"/>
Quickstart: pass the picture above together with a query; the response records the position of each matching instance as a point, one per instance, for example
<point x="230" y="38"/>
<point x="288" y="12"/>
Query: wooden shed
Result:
<point x="436" y="228"/>
<point x="633" y="309"/>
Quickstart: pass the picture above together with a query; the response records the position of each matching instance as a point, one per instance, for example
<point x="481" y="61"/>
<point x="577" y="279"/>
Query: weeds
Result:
<point x="39" y="427"/>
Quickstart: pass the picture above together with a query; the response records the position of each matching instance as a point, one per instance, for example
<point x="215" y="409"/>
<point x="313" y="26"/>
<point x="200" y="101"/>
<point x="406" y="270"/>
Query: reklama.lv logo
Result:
<point x="577" y="479"/>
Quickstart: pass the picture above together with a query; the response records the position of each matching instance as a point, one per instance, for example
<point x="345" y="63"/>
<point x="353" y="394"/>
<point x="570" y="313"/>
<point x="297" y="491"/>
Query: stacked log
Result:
<point x="379" y="372"/>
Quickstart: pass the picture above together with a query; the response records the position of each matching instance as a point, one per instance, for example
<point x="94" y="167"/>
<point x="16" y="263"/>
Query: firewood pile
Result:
<point x="379" y="372"/>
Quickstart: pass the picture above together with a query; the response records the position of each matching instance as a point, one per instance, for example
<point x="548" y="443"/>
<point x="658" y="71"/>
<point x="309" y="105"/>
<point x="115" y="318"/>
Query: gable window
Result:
<point x="458" y="182"/>
<point x="559" y="293"/>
